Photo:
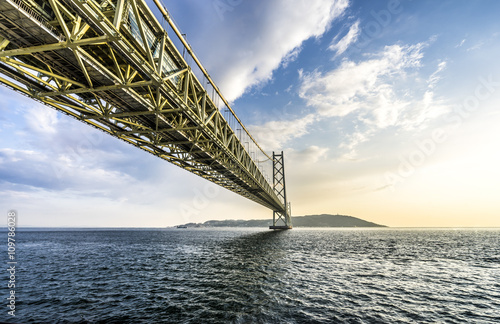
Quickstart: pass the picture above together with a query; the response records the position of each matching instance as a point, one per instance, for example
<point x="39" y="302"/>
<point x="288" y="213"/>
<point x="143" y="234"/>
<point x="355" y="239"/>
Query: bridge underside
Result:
<point x="111" y="64"/>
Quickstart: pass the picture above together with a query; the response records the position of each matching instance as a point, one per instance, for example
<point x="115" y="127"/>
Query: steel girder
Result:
<point x="111" y="65"/>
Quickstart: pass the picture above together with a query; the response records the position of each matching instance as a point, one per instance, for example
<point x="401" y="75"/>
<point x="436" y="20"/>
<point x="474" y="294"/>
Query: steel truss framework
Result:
<point x="281" y="219"/>
<point x="111" y="64"/>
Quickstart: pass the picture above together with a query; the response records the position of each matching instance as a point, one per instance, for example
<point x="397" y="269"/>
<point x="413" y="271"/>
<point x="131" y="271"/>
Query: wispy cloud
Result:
<point x="461" y="43"/>
<point x="385" y="91"/>
<point x="476" y="46"/>
<point x="309" y="155"/>
<point x="291" y="56"/>
<point x="436" y="76"/>
<point x="274" y="134"/>
<point x="350" y="143"/>
<point x="343" y="44"/>
<point x="353" y="86"/>
<point x="42" y="121"/>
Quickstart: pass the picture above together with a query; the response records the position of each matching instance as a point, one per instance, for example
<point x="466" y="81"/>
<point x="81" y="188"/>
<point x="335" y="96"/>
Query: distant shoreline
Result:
<point x="316" y="221"/>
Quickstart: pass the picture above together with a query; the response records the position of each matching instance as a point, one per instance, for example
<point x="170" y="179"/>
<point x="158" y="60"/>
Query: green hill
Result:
<point x="323" y="220"/>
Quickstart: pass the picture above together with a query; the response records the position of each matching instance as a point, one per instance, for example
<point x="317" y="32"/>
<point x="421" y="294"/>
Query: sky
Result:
<point x="385" y="110"/>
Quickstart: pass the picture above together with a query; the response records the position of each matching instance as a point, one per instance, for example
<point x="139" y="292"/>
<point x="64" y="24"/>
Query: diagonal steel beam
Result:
<point x="100" y="40"/>
<point x="19" y="64"/>
<point x="98" y="89"/>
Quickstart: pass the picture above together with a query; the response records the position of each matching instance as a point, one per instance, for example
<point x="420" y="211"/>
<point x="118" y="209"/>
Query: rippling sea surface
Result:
<point x="257" y="276"/>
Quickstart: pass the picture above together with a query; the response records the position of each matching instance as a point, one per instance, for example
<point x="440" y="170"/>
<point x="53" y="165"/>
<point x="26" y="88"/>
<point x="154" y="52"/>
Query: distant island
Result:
<point x="323" y="220"/>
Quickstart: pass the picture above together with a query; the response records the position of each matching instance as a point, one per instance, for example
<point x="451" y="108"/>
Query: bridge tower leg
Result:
<point x="281" y="218"/>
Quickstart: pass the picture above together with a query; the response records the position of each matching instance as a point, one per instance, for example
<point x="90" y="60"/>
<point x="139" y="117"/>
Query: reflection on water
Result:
<point x="256" y="276"/>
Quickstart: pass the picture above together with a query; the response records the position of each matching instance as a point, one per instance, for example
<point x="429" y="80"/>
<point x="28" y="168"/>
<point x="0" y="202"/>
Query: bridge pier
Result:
<point x="281" y="218"/>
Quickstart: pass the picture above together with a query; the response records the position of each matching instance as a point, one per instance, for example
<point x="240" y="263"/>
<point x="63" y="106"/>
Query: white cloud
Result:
<point x="251" y="44"/>
<point x="272" y="135"/>
<point x="461" y="43"/>
<point x="44" y="171"/>
<point x="355" y="86"/>
<point x="476" y="46"/>
<point x="351" y="37"/>
<point x="309" y="155"/>
<point x="291" y="56"/>
<point x="350" y="144"/>
<point x="41" y="119"/>
<point x="435" y="77"/>
<point x="384" y="92"/>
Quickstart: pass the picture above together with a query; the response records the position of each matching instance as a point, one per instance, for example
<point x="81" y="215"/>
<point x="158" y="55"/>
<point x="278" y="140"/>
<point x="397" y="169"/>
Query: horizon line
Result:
<point x="173" y="226"/>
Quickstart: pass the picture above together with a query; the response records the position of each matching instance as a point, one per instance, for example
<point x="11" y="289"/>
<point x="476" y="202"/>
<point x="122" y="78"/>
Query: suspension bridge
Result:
<point x="113" y="65"/>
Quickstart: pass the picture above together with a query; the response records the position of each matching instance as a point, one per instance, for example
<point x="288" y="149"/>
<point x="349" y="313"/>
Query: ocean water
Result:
<point x="256" y="276"/>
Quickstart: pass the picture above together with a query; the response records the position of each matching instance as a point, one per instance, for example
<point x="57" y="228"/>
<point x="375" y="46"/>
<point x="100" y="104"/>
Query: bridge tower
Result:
<point x="281" y="218"/>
